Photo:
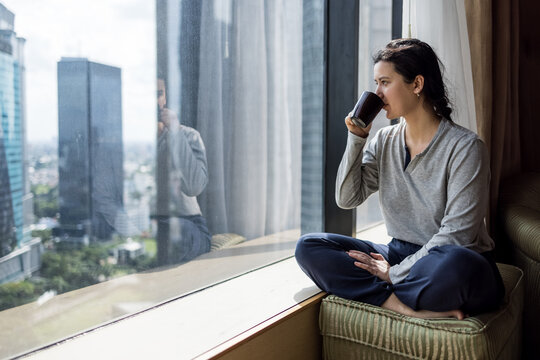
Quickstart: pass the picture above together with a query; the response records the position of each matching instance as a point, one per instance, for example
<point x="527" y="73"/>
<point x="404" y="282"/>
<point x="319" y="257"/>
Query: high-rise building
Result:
<point x="8" y="240"/>
<point x="19" y="253"/>
<point x="11" y="135"/>
<point x="90" y="152"/>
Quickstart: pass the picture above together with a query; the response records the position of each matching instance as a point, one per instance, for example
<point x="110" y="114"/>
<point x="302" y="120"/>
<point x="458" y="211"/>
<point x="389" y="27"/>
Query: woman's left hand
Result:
<point x="375" y="264"/>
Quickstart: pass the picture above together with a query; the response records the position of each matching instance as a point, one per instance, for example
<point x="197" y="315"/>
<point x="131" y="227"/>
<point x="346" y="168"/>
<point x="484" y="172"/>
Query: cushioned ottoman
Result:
<point x="519" y="210"/>
<point x="354" y="330"/>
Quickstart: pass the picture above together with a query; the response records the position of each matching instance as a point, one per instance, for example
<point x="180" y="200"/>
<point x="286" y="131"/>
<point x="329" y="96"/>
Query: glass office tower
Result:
<point x="11" y="135"/>
<point x="90" y="152"/>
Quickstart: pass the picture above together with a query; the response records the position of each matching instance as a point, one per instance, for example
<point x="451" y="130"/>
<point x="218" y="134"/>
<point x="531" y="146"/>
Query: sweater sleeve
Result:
<point x="358" y="173"/>
<point x="189" y="160"/>
<point x="466" y="202"/>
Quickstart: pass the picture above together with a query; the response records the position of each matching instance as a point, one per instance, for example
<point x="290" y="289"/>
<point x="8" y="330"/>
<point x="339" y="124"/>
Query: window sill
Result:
<point x="205" y="322"/>
<point x="35" y="325"/>
<point x="191" y="326"/>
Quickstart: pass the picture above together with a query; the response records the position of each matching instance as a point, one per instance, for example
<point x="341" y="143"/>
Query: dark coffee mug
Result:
<point x="366" y="108"/>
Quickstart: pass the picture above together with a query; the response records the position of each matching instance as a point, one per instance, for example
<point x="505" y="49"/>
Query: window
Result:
<point x="151" y="149"/>
<point x="155" y="148"/>
<point x="375" y="31"/>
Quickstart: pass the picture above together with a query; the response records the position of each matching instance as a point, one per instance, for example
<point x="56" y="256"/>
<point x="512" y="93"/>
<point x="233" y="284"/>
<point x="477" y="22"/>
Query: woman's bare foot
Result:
<point x="393" y="303"/>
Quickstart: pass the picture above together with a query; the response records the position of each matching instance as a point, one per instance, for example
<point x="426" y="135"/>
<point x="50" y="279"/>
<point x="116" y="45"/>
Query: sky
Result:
<point x="120" y="33"/>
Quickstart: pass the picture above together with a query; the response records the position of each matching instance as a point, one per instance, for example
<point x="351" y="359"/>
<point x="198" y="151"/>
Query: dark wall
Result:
<point x="529" y="78"/>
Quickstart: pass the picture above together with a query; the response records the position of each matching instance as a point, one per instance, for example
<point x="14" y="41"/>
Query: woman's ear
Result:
<point x="418" y="84"/>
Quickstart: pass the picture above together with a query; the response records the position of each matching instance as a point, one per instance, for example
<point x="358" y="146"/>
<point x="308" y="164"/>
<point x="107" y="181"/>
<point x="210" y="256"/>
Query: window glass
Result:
<point x="375" y="31"/>
<point x="148" y="150"/>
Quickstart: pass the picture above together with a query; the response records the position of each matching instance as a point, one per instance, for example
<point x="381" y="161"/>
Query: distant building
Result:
<point x="90" y="150"/>
<point x="8" y="237"/>
<point x="133" y="221"/>
<point x="19" y="254"/>
<point x="11" y="68"/>
<point x="128" y="251"/>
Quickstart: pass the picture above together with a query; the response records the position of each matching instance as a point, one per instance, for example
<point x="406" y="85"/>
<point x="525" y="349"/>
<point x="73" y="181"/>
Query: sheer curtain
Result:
<point x="443" y="25"/>
<point x="249" y="114"/>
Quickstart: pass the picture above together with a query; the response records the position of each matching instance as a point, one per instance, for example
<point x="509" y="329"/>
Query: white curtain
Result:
<point x="249" y="114"/>
<point x="443" y="25"/>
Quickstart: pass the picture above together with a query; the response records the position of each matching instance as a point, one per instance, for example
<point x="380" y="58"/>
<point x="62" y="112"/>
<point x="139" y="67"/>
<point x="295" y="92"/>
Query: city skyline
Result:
<point x="123" y="35"/>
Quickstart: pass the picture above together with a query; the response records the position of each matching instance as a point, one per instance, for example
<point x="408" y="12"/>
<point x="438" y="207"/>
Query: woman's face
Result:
<point x="398" y="96"/>
<point x="161" y="97"/>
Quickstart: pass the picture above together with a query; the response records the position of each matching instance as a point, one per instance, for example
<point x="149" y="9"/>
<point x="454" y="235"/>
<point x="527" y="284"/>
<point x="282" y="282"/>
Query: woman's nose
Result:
<point x="379" y="92"/>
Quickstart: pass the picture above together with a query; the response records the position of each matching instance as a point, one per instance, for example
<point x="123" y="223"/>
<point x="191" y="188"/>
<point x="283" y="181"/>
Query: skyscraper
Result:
<point x="11" y="134"/>
<point x="8" y="239"/>
<point x="90" y="152"/>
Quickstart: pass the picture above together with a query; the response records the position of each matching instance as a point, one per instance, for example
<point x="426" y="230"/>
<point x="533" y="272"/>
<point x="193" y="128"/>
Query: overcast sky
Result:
<point x="113" y="32"/>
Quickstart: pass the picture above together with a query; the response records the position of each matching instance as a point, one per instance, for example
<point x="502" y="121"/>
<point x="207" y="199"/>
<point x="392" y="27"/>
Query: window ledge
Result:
<point x="206" y="321"/>
<point x="35" y="325"/>
<point x="188" y="327"/>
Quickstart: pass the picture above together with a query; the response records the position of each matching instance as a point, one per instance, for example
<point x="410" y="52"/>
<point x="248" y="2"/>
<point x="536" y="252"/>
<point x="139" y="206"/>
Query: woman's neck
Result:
<point x="421" y="128"/>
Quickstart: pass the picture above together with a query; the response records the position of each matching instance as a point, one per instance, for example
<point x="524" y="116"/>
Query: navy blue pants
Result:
<point x="450" y="277"/>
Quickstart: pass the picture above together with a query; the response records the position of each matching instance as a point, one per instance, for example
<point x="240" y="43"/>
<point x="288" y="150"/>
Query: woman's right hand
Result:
<point x="167" y="120"/>
<point x="357" y="130"/>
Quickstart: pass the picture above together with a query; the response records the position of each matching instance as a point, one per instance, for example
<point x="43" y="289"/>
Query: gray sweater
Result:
<point x="440" y="198"/>
<point x="188" y="171"/>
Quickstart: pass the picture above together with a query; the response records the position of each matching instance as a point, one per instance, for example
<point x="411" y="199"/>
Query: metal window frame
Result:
<point x="340" y="93"/>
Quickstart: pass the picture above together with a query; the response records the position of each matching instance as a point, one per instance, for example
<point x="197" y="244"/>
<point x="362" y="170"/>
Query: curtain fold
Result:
<point x="494" y="40"/>
<point x="249" y="114"/>
<point x="479" y="24"/>
<point x="491" y="42"/>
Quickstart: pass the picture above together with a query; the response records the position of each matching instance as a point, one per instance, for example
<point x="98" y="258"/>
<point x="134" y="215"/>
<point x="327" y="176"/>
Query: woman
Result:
<point x="432" y="176"/>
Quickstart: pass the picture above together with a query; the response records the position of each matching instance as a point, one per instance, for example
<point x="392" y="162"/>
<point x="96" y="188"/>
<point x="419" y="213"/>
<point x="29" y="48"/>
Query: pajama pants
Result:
<point x="450" y="277"/>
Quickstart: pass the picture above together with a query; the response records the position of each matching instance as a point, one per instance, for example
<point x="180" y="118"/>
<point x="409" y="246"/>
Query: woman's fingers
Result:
<point x="364" y="267"/>
<point x="374" y="263"/>
<point x="358" y="255"/>
<point x="349" y="122"/>
<point x="363" y="255"/>
<point x="364" y="261"/>
<point x="358" y="131"/>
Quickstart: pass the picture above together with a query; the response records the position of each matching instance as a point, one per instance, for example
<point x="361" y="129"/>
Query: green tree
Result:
<point x="15" y="294"/>
<point x="45" y="235"/>
<point x="73" y="269"/>
<point x="144" y="263"/>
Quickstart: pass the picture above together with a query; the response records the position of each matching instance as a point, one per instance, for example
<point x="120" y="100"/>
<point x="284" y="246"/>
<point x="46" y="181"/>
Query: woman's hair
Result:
<point x="412" y="57"/>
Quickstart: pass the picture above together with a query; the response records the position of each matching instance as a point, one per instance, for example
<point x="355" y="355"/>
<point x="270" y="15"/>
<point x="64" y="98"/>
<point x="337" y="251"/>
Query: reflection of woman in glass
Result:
<point x="432" y="176"/>
<point x="182" y="176"/>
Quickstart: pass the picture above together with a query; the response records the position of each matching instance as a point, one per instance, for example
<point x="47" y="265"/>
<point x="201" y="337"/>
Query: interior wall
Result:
<point x="529" y="80"/>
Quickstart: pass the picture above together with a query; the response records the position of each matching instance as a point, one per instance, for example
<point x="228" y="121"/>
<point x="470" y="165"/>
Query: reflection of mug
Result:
<point x="365" y="110"/>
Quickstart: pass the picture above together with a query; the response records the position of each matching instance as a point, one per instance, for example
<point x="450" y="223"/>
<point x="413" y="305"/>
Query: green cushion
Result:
<point x="355" y="330"/>
<point x="221" y="241"/>
<point x="519" y="209"/>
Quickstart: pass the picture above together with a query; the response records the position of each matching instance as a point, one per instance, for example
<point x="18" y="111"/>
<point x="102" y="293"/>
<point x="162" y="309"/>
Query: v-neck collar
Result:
<point x="411" y="163"/>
